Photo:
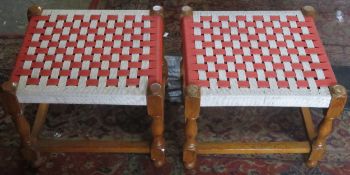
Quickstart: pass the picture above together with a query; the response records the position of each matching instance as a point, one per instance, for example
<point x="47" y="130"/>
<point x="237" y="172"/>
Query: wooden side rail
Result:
<point x="253" y="147"/>
<point x="92" y="146"/>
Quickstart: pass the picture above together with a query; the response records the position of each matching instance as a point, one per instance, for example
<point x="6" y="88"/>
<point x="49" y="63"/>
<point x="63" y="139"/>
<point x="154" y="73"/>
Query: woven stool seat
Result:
<point x="256" y="58"/>
<point x="89" y="57"/>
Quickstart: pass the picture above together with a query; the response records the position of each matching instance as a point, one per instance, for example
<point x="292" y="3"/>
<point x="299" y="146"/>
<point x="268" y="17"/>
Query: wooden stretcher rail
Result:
<point x="253" y="147"/>
<point x="92" y="146"/>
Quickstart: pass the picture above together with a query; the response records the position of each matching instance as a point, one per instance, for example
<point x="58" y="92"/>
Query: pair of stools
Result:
<point x="115" y="57"/>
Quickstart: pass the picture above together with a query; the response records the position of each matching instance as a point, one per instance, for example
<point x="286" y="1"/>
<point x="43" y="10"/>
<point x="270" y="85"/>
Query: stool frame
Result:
<point x="32" y="145"/>
<point x="315" y="146"/>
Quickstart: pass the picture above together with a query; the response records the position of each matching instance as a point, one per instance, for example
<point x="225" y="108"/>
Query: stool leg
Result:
<point x="335" y="109"/>
<point x="14" y="109"/>
<point x="192" y="108"/>
<point x="158" y="144"/>
<point x="189" y="150"/>
<point x="155" y="108"/>
<point x="39" y="121"/>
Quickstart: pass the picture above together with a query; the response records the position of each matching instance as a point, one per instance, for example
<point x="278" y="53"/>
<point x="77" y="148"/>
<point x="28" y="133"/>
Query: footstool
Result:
<point x="257" y="58"/>
<point x="109" y="57"/>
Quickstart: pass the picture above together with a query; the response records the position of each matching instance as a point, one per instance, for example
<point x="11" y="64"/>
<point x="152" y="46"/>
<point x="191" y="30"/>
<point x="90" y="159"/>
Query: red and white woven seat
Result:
<point x="89" y="57"/>
<point x="261" y="58"/>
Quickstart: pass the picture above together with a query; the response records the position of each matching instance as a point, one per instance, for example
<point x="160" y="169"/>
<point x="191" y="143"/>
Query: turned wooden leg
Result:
<point x="14" y="109"/>
<point x="192" y="108"/>
<point x="155" y="108"/>
<point x="158" y="144"/>
<point x="335" y="109"/>
<point x="39" y="121"/>
<point x="309" y="125"/>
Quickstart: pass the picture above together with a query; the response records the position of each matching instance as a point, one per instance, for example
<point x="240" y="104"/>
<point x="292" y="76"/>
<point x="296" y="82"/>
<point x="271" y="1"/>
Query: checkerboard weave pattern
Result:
<point x="273" y="56"/>
<point x="89" y="56"/>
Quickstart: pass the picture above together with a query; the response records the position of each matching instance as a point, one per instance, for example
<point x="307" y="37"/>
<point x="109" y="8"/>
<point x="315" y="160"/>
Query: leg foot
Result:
<point x="33" y="157"/>
<point x="189" y="158"/>
<point x="311" y="163"/>
<point x="158" y="157"/>
<point x="158" y="152"/>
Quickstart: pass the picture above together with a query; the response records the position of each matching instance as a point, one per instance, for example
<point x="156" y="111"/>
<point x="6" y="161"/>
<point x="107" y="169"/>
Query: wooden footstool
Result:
<point x="112" y="57"/>
<point x="257" y="58"/>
